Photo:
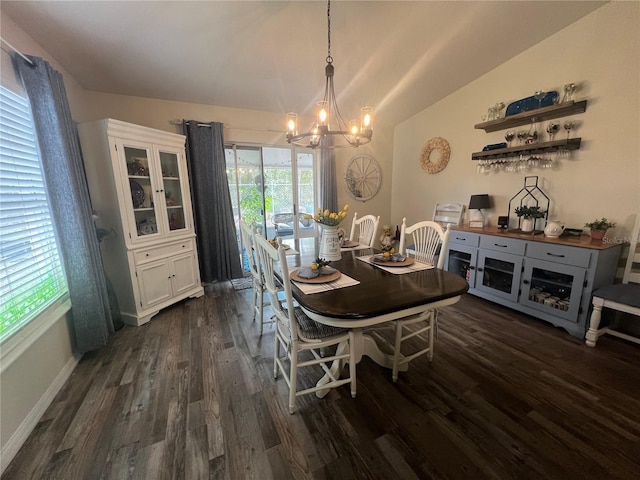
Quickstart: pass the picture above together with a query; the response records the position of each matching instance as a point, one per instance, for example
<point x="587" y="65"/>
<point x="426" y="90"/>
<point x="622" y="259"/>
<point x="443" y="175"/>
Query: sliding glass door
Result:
<point x="272" y="188"/>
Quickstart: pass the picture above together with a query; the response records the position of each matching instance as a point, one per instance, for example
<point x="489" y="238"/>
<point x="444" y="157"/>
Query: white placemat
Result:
<point x="415" y="267"/>
<point x="309" y="288"/>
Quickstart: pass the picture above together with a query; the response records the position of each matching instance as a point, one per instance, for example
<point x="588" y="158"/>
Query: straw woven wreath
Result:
<point x="430" y="165"/>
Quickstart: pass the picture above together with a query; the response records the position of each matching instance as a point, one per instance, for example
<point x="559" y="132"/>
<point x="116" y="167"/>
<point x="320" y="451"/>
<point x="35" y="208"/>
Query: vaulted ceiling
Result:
<point x="399" y="57"/>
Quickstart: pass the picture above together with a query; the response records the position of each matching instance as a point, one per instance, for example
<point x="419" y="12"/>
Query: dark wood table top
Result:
<point x="379" y="292"/>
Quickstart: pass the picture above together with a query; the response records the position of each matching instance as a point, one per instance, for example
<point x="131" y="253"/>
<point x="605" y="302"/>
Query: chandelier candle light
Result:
<point x="320" y="135"/>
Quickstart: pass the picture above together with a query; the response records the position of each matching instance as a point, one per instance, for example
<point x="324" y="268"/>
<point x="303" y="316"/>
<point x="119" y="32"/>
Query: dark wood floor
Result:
<point x="191" y="395"/>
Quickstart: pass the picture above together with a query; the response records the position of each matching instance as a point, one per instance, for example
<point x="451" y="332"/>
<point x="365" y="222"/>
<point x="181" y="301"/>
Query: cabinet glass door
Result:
<point x="172" y="190"/>
<point x="461" y="260"/>
<point x="499" y="274"/>
<point x="141" y="188"/>
<point x="553" y="288"/>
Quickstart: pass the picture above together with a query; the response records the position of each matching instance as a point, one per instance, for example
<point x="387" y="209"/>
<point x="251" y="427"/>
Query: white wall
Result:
<point x="602" y="53"/>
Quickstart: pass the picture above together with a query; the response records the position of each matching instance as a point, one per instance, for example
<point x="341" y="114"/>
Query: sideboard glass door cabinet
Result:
<point x="551" y="279"/>
<point x="140" y="188"/>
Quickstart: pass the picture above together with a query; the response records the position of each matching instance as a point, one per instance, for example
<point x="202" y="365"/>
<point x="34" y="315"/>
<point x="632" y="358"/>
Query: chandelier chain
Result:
<point x="329" y="57"/>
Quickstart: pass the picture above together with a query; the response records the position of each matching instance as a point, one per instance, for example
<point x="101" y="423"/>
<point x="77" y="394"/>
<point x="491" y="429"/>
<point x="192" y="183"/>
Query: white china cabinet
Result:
<point x="139" y="187"/>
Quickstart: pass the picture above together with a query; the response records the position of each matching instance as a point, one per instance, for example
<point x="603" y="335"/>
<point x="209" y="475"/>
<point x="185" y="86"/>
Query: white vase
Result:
<point x="329" y="243"/>
<point x="527" y="224"/>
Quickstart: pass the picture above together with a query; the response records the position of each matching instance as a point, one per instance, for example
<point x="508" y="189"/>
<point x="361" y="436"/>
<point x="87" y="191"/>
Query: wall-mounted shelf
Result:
<point x="538" y="147"/>
<point x="538" y="115"/>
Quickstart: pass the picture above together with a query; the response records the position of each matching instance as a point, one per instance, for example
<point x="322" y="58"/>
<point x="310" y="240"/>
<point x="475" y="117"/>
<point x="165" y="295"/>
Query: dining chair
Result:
<point x="427" y="236"/>
<point x="623" y="297"/>
<point x="248" y="238"/>
<point x="297" y="333"/>
<point x="448" y="214"/>
<point x="364" y="228"/>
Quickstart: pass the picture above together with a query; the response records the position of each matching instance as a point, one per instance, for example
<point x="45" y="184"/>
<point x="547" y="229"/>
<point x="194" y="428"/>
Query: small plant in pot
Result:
<point x="529" y="215"/>
<point x="599" y="227"/>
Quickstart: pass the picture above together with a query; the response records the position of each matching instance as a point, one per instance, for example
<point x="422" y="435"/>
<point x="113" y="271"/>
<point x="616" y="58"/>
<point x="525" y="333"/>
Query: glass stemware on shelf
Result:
<point x="568" y="126"/>
<point x="552" y="129"/>
<point x="522" y="135"/>
<point x="569" y="90"/>
<point x="539" y="95"/>
<point x="509" y="136"/>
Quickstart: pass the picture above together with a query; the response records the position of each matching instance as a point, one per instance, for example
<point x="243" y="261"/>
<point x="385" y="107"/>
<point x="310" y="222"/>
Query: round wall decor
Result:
<point x="435" y="165"/>
<point x="362" y="177"/>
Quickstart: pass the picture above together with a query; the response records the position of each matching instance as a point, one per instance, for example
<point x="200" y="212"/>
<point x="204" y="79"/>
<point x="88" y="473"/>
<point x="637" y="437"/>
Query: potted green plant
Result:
<point x="599" y="227"/>
<point x="529" y="214"/>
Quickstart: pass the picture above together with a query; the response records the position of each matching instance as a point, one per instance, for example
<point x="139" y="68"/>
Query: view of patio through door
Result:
<point x="271" y="188"/>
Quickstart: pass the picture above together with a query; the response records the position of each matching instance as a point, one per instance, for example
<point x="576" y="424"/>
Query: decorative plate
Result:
<point x="379" y="260"/>
<point x="319" y="279"/>
<point x="350" y="244"/>
<point x="362" y="177"/>
<point x="137" y="194"/>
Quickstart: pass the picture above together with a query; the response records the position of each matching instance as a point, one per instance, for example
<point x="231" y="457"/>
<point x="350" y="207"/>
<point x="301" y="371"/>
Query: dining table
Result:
<point x="369" y="294"/>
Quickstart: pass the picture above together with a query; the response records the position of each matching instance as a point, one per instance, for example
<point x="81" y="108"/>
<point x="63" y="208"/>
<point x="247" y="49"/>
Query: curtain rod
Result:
<point x="16" y="50"/>
<point x="180" y="122"/>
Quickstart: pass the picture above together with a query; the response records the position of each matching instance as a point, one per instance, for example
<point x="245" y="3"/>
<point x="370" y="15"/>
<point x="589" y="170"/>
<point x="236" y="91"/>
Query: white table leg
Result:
<point x="364" y="345"/>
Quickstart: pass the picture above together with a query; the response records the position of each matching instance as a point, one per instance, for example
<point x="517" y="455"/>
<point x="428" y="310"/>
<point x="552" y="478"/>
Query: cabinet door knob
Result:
<point x="479" y="269"/>
<point x="526" y="282"/>
<point x="147" y="255"/>
<point x="471" y="267"/>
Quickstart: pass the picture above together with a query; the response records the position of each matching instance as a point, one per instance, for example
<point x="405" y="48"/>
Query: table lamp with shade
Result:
<point x="476" y="204"/>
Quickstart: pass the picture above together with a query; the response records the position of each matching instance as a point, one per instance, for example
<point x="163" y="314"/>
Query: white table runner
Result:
<point x="414" y="267"/>
<point x="309" y="288"/>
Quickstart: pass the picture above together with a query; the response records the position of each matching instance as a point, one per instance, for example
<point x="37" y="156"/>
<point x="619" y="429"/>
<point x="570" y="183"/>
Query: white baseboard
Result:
<point x="26" y="427"/>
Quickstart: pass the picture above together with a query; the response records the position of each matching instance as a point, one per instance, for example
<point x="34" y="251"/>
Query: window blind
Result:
<point x="31" y="274"/>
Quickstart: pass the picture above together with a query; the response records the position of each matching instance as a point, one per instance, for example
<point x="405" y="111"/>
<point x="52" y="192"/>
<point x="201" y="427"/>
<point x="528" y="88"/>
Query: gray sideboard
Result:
<point x="549" y="278"/>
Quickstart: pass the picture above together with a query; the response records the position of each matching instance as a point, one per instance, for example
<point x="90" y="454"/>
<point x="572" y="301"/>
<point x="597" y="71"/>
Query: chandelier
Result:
<point x="320" y="135"/>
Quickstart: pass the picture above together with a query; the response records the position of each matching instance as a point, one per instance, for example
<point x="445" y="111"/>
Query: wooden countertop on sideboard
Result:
<point x="582" y="241"/>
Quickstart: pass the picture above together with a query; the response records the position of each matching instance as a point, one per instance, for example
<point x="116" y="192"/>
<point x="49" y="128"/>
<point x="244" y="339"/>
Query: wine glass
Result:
<point x="569" y="90"/>
<point x="568" y="126"/>
<point x="521" y="135"/>
<point x="552" y="129"/>
<point x="509" y="136"/>
<point x="539" y="95"/>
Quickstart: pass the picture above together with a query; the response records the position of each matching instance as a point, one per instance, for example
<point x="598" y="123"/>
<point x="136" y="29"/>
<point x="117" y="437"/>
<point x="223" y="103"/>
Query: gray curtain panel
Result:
<point x="328" y="195"/>
<point x="70" y="203"/>
<point x="215" y="228"/>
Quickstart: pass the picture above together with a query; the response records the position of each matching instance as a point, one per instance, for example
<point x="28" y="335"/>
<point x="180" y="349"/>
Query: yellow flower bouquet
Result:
<point x="326" y="217"/>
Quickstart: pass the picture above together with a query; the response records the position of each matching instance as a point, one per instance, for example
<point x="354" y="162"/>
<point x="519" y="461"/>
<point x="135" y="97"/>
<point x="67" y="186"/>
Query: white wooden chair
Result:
<point x="363" y="230"/>
<point x="428" y="237"/>
<point x="445" y="214"/>
<point x="297" y="333"/>
<point x="448" y="214"/>
<point x="623" y="297"/>
<point x="248" y="235"/>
